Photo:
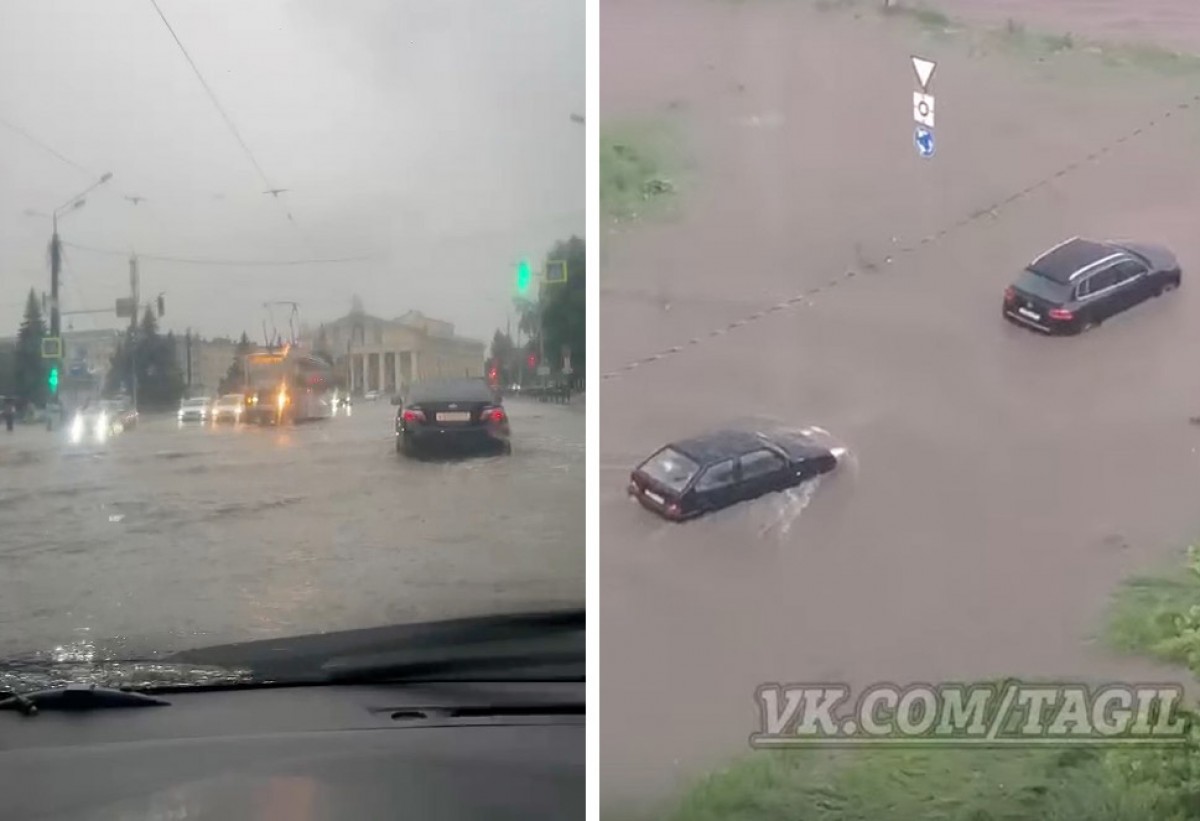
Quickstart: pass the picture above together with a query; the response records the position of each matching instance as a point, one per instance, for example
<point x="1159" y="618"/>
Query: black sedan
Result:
<point x="1079" y="283"/>
<point x="695" y="476"/>
<point x="451" y="416"/>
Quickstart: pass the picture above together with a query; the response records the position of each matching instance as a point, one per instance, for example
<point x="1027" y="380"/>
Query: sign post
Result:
<point x="923" y="104"/>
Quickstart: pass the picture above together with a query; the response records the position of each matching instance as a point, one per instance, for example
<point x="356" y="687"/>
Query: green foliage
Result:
<point x="153" y="358"/>
<point x="1155" y="615"/>
<point x="29" y="367"/>
<point x="1160" y="615"/>
<point x="559" y="311"/>
<point x="235" y="377"/>
<point x="564" y="306"/>
<point x="971" y="784"/>
<point x="637" y="160"/>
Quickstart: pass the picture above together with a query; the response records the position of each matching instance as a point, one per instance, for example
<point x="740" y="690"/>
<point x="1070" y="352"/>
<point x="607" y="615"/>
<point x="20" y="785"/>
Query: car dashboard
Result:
<point x="432" y="750"/>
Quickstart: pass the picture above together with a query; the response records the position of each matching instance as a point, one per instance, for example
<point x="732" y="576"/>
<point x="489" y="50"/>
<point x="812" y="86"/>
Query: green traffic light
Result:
<point x="52" y="380"/>
<point x="524" y="276"/>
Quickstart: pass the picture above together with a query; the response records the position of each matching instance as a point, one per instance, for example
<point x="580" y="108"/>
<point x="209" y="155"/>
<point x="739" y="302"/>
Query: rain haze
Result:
<point x="431" y="144"/>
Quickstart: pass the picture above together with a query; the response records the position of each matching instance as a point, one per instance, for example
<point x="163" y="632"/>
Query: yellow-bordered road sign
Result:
<point x="556" y="271"/>
<point x="51" y="347"/>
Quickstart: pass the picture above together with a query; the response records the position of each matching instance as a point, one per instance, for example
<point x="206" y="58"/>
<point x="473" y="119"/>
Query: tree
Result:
<point x="235" y="377"/>
<point x="29" y="367"/>
<point x="503" y="357"/>
<point x="564" y="307"/>
<point x="160" y="382"/>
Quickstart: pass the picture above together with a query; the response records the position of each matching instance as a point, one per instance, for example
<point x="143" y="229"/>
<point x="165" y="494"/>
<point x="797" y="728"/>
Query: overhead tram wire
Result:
<point x="237" y="135"/>
<point x="242" y="263"/>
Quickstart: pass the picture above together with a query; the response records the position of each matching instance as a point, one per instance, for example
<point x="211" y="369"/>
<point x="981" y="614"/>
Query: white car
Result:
<point x="194" y="410"/>
<point x="229" y="408"/>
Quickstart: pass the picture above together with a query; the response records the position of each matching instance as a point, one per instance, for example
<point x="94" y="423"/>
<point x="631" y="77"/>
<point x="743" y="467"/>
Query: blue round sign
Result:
<point x="923" y="140"/>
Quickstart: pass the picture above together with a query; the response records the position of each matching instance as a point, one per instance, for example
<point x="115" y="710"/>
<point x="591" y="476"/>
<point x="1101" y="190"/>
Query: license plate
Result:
<point x="650" y="494"/>
<point x="1029" y="313"/>
<point x="454" y="416"/>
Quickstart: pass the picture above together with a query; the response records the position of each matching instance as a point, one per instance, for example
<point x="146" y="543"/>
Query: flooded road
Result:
<point x="168" y="538"/>
<point x="1002" y="484"/>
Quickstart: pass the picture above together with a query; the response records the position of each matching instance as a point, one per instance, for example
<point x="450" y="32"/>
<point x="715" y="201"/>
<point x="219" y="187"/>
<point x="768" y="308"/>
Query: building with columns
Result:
<point x="386" y="355"/>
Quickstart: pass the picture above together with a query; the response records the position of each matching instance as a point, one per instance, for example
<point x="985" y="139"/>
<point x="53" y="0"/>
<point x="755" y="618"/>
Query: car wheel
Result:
<point x="1168" y="286"/>
<point x="1088" y="325"/>
<point x="506" y="448"/>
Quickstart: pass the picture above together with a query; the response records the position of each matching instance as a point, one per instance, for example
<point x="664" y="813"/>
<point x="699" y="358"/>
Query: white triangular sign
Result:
<point x="924" y="70"/>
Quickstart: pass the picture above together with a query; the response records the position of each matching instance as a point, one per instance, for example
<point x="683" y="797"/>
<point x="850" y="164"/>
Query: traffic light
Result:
<point x="532" y="360"/>
<point x="524" y="276"/>
<point x="52" y="379"/>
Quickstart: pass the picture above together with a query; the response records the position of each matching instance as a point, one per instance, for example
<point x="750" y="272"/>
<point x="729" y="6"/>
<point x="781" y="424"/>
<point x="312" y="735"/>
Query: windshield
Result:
<point x="258" y="226"/>
<point x="670" y="468"/>
<point x="1043" y="287"/>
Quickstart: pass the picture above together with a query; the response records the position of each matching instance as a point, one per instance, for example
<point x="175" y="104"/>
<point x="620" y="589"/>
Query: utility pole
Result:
<point x="133" y="321"/>
<point x="188" y="346"/>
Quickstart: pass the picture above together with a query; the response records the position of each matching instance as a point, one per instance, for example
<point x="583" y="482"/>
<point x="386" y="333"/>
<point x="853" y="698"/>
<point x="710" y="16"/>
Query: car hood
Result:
<point x="1158" y="256"/>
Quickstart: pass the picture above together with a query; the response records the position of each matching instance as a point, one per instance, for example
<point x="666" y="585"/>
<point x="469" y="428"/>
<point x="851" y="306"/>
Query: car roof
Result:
<point x="1068" y="259"/>
<point x="719" y="445"/>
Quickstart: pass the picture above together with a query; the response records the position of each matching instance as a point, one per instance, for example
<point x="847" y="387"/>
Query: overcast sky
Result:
<point x="433" y="136"/>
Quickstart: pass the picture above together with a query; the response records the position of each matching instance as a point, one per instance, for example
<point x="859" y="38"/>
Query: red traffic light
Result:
<point x="532" y="360"/>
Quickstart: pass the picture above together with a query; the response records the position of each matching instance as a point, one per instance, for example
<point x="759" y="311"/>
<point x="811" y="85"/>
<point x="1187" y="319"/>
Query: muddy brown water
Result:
<point x="1002" y="484"/>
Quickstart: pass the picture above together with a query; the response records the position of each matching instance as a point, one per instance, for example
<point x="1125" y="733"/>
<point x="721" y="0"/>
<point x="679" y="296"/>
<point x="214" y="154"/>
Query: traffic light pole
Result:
<point x="55" y="317"/>
<point x="133" y="320"/>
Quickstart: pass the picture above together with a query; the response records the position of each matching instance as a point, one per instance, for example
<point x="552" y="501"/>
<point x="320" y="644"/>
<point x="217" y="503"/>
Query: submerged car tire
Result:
<point x="506" y="449"/>
<point x="1169" y="285"/>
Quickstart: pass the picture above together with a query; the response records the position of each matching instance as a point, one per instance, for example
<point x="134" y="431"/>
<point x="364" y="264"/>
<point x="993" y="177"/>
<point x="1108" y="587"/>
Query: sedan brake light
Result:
<point x="413" y="415"/>
<point x="492" y="414"/>
<point x="1061" y="314"/>
<point x="1010" y="294"/>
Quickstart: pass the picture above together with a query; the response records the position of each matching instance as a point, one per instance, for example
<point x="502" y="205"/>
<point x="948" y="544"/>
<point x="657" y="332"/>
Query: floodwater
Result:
<point x="819" y="272"/>
<point x="169" y="538"/>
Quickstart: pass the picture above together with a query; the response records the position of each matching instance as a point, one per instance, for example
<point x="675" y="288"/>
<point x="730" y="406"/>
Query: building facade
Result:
<point x="386" y="355"/>
<point x="204" y="363"/>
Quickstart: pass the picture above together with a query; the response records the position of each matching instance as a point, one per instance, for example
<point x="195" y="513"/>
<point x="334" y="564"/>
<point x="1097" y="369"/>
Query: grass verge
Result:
<point x="1015" y="37"/>
<point x="1157" y="615"/>
<point x="640" y="164"/>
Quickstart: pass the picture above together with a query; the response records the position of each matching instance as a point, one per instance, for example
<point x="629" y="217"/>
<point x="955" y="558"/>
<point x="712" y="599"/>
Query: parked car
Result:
<point x="691" y="477"/>
<point x="1079" y="283"/>
<point x="451" y="415"/>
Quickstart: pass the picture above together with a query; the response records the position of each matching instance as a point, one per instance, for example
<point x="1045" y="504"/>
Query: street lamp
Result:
<point x="73" y="204"/>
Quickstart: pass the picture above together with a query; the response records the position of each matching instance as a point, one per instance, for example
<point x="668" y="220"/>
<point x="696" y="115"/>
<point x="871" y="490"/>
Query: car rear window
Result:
<point x="1041" y="286"/>
<point x="451" y="390"/>
<point x="195" y="403"/>
<point x="670" y="468"/>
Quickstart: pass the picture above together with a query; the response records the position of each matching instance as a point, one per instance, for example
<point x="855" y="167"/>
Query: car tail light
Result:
<point x="1061" y="314"/>
<point x="673" y="510"/>
<point x="493" y="415"/>
<point x="412" y="415"/>
<point x="1010" y="294"/>
<point x="633" y="487"/>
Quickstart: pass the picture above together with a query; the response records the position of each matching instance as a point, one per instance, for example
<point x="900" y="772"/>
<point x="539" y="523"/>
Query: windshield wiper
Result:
<point x="79" y="697"/>
<point x="542" y="646"/>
